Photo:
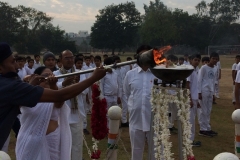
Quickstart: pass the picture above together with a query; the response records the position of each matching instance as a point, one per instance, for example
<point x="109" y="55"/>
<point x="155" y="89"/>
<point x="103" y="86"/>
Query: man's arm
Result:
<point x="73" y="90"/>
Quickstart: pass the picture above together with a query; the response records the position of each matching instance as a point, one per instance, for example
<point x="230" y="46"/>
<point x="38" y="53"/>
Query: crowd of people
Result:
<point x="54" y="130"/>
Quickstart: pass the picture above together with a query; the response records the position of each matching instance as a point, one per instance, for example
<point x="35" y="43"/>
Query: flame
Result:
<point x="158" y="54"/>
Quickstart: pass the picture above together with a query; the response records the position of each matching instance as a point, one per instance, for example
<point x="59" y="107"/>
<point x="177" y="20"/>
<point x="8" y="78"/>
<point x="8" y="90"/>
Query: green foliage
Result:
<point x="116" y="26"/>
<point x="30" y="30"/>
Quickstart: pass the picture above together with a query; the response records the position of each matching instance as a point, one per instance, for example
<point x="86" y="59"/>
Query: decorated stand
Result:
<point x="114" y="113"/>
<point x="160" y="134"/>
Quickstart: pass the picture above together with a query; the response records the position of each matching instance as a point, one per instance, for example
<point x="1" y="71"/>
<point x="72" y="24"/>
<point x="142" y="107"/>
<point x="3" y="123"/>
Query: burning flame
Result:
<point x="158" y="54"/>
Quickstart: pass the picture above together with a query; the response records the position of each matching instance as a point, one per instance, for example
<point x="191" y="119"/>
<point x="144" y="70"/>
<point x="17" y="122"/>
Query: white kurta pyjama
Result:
<point x="137" y="87"/>
<point x="206" y="86"/>
<point x="193" y="80"/>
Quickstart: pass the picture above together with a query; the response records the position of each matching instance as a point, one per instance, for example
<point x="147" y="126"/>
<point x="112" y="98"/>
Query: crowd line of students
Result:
<point x="128" y="86"/>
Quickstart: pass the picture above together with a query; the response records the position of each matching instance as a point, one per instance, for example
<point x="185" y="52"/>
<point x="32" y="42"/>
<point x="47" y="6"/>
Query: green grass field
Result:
<point x="220" y="121"/>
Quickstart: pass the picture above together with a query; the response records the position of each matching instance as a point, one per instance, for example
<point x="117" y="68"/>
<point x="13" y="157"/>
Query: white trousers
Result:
<point x="233" y="96"/>
<point x="138" y="138"/>
<point x="111" y="101"/>
<point x="172" y="109"/>
<point x="124" y="108"/>
<point x="77" y="140"/>
<point x="217" y="88"/>
<point x="205" y="113"/>
<point x="6" y="144"/>
<point x="193" y="114"/>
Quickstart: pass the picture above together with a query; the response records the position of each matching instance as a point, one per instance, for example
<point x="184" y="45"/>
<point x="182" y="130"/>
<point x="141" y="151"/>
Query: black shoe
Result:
<point x="214" y="102"/>
<point x="205" y="133"/>
<point x="86" y="132"/>
<point x="196" y="143"/>
<point x="125" y="124"/>
<point x="213" y="133"/>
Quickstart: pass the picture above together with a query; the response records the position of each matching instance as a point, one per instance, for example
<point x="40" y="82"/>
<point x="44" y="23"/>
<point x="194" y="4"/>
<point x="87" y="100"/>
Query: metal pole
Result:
<point x="150" y="141"/>
<point x="91" y="70"/>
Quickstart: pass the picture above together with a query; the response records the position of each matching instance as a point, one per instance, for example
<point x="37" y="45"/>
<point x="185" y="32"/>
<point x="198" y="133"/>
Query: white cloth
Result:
<point x="135" y="65"/>
<point x="36" y="65"/>
<point x="205" y="113"/>
<point x="234" y="66"/>
<point x="138" y="138"/>
<point x="77" y="140"/>
<point x="110" y="84"/>
<point x="6" y="144"/>
<point x="206" y="79"/>
<point x="32" y="141"/>
<point x="124" y="108"/>
<point x="193" y="80"/>
<point x="74" y="117"/>
<point x="137" y="87"/>
<point x="128" y="67"/>
<point x="22" y="73"/>
<point x="29" y="71"/>
<point x="186" y="63"/>
<point x="193" y="114"/>
<point x="92" y="64"/>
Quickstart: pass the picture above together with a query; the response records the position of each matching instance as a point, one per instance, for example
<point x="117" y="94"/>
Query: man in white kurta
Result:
<point x="137" y="87"/>
<point x="234" y="66"/>
<point x="75" y="118"/>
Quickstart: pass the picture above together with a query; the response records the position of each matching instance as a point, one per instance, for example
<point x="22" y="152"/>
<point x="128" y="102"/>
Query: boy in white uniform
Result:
<point x="234" y="66"/>
<point x="21" y="71"/>
<point x="121" y="71"/>
<point x="86" y="67"/>
<point x="218" y="67"/>
<point x="29" y="68"/>
<point x="75" y="118"/>
<point x="37" y="62"/>
<point x="206" y="88"/>
<point x="192" y="85"/>
<point x="110" y="85"/>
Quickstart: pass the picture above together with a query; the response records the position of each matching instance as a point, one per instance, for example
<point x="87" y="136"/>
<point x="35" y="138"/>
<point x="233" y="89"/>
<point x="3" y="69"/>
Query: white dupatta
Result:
<point x="31" y="140"/>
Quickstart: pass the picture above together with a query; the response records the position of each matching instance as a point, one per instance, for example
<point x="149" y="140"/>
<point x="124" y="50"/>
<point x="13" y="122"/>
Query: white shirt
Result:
<point x="109" y="84"/>
<point x="36" y="65"/>
<point x="29" y="71"/>
<point x="135" y="65"/>
<point x="186" y="63"/>
<point x="238" y="67"/>
<point x="128" y="67"/>
<point x="92" y="65"/>
<point x="234" y="66"/>
<point x="206" y="79"/>
<point x="22" y="73"/>
<point x="74" y="117"/>
<point x="85" y="67"/>
<point x="193" y="79"/>
<point x="137" y="87"/>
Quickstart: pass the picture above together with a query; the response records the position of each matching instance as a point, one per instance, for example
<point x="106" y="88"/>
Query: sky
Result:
<point x="75" y="15"/>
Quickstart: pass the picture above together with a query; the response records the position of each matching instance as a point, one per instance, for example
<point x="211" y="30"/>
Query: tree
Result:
<point x="116" y="26"/>
<point x="158" y="27"/>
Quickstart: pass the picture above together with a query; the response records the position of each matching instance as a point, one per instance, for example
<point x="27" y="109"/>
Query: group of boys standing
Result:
<point x="130" y="86"/>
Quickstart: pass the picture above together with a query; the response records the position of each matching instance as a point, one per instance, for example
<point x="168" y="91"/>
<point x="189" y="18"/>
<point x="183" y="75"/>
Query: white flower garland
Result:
<point x="160" y="102"/>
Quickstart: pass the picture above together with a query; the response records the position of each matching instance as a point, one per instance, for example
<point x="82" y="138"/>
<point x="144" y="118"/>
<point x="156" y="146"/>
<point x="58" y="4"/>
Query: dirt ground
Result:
<point x="221" y="122"/>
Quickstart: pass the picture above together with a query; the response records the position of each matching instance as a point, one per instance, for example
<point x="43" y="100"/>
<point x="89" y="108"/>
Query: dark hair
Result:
<point x="129" y="58"/>
<point x="39" y="70"/>
<point x="172" y="57"/>
<point x="237" y="56"/>
<point x="108" y="61"/>
<point x="36" y="55"/>
<point x="116" y="58"/>
<point x="105" y="55"/>
<point x="78" y="59"/>
<point x="181" y="58"/>
<point x="30" y="60"/>
<point x="205" y="59"/>
<point x="98" y="58"/>
<point x="91" y="56"/>
<point x="185" y="55"/>
<point x="142" y="48"/>
<point x="196" y="56"/>
<point x="79" y="55"/>
<point x="87" y="57"/>
<point x="58" y="60"/>
<point x="28" y="57"/>
<point x="20" y="58"/>
<point x="214" y="54"/>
